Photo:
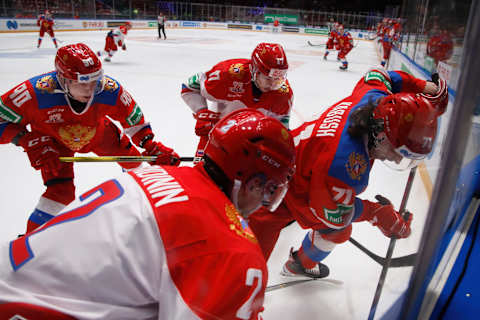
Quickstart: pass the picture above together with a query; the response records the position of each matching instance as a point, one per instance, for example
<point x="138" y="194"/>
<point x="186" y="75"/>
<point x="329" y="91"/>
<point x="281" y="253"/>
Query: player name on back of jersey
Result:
<point x="331" y="122"/>
<point x="160" y="186"/>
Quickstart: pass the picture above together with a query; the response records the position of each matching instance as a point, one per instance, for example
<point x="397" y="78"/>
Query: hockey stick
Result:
<point x="403" y="261"/>
<point x="315" y="45"/>
<point x="116" y="159"/>
<point x="391" y="246"/>
<point x="295" y="282"/>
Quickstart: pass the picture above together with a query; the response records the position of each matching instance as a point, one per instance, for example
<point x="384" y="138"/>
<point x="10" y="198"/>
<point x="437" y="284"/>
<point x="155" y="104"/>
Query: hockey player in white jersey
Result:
<point x="159" y="242"/>
<point x="115" y="39"/>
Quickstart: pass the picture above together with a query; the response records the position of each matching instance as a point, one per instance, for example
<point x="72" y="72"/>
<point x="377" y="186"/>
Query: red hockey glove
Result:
<point x="42" y="152"/>
<point x="439" y="100"/>
<point x="206" y="119"/>
<point x="389" y="221"/>
<point x="165" y="155"/>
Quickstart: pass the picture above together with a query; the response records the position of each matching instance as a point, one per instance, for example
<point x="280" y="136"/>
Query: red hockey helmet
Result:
<point x="410" y="124"/>
<point x="247" y="144"/>
<point x="79" y="72"/>
<point x="269" y="60"/>
<point x="78" y="62"/>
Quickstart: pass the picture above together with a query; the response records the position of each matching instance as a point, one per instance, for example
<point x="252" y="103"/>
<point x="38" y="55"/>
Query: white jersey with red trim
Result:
<point x="156" y="243"/>
<point x="118" y="37"/>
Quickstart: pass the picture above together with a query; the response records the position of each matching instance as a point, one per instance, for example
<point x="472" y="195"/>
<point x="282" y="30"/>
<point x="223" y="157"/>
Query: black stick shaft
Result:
<point x="391" y="246"/>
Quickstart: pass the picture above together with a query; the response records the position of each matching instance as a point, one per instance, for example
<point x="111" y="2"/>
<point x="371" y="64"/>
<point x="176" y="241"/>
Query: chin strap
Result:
<point x="234" y="193"/>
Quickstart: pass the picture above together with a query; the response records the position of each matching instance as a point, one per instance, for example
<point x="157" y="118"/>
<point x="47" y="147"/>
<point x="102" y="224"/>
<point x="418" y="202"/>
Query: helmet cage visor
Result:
<point x="268" y="82"/>
<point x="96" y="76"/>
<point x="273" y="194"/>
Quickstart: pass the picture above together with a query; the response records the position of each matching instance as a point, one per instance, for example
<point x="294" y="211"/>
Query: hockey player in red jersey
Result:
<point x="440" y="45"/>
<point x="115" y="39"/>
<point x="332" y="42"/>
<point x="260" y="83"/>
<point x="390" y="116"/>
<point x="390" y="37"/>
<point x="70" y="110"/>
<point x="161" y="242"/>
<point x="345" y="43"/>
<point x="45" y="22"/>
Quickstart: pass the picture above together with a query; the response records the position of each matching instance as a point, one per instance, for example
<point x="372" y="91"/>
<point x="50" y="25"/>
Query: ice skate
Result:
<point x="344" y="66"/>
<point x="107" y="59"/>
<point x="293" y="268"/>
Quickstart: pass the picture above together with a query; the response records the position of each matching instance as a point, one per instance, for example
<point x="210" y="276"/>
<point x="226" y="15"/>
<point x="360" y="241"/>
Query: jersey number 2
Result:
<point x="20" y="251"/>
<point x="245" y="311"/>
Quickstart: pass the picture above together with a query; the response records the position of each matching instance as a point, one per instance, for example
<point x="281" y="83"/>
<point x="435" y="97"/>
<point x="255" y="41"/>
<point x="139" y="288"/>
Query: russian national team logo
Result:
<point x="237" y="70"/>
<point x="109" y="84"/>
<point x="238" y="224"/>
<point x="76" y="136"/>
<point x="284" y="88"/>
<point x="356" y="165"/>
<point x="46" y="84"/>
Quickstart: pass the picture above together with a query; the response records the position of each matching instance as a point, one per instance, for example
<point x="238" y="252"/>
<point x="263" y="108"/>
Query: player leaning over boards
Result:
<point x="69" y="110"/>
<point x="46" y="23"/>
<point x="390" y="116"/>
<point x="159" y="242"/>
<point x="260" y="83"/>
<point x="115" y="38"/>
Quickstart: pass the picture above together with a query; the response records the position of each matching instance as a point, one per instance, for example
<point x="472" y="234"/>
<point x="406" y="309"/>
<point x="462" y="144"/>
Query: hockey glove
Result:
<point x="206" y="119"/>
<point x="42" y="152"/>
<point x="165" y="155"/>
<point x="439" y="99"/>
<point x="389" y="221"/>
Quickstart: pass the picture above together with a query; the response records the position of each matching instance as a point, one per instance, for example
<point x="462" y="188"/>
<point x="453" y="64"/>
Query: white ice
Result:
<point x="153" y="70"/>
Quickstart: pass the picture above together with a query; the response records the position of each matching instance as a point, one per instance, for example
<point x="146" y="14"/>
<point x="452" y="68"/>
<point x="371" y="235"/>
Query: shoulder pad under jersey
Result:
<point x="47" y="90"/>
<point x="379" y="74"/>
<point x="233" y="70"/>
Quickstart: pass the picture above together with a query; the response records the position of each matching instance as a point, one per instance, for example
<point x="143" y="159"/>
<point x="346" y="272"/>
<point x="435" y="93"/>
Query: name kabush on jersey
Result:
<point x="329" y="125"/>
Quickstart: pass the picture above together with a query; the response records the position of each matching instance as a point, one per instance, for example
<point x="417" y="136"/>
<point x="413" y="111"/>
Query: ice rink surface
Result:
<point x="152" y="71"/>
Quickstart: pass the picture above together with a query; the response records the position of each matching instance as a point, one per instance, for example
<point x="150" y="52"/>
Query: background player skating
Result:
<point x="159" y="242"/>
<point x="335" y="154"/>
<point x="332" y="42"/>
<point x="69" y="110"/>
<point x="440" y="45"/>
<point x="345" y="45"/>
<point x="46" y="23"/>
<point x="115" y="39"/>
<point x="260" y="83"/>
<point x="390" y="37"/>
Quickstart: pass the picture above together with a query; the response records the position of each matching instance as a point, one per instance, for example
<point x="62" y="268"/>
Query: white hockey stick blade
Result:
<point x="315" y="45"/>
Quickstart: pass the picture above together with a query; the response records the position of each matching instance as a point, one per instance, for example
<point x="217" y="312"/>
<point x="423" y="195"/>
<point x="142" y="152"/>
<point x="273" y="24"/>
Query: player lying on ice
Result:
<point x="260" y="83"/>
<point x="69" y="110"/>
<point x="390" y="116"/>
<point x="161" y="242"/>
